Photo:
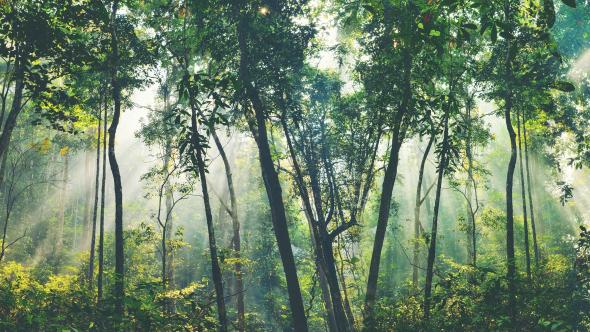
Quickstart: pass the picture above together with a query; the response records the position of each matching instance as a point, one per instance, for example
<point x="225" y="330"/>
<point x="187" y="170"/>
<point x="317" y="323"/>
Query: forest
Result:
<point x="294" y="165"/>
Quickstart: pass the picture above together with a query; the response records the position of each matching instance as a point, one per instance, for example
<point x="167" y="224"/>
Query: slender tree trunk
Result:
<point x="385" y="201"/>
<point x="86" y="224"/>
<point x="523" y="193"/>
<point x="3" y="169"/>
<point x="62" y="202"/>
<point x="530" y="192"/>
<point x="102" y="202"/>
<point x="167" y="228"/>
<point x="215" y="269"/>
<point x="347" y="307"/>
<point x="95" y="209"/>
<point x="16" y="106"/>
<point x="169" y="221"/>
<point x="471" y="188"/>
<point x="508" y="103"/>
<point x="236" y="241"/>
<point x="119" y="289"/>
<point x="432" y="247"/>
<point x="510" y="259"/>
<point x="417" y="206"/>
<point x="273" y="186"/>
<point x="164" y="272"/>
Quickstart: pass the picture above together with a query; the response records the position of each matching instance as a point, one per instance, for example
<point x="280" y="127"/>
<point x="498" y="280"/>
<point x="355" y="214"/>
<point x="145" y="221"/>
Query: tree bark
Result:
<point x="95" y="208"/>
<point x="62" y="203"/>
<point x="417" y="206"/>
<point x="471" y="188"/>
<point x="530" y="192"/>
<point x="508" y="103"/>
<point x="102" y="202"/>
<point x="86" y="224"/>
<point x="119" y="290"/>
<point x="16" y="106"/>
<point x="169" y="266"/>
<point x="385" y="201"/>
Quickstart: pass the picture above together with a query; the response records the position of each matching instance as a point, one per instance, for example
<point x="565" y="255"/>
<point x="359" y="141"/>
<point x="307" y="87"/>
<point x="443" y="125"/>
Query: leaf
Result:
<point x="470" y="26"/>
<point x="434" y="33"/>
<point x="571" y="3"/>
<point x="564" y="86"/>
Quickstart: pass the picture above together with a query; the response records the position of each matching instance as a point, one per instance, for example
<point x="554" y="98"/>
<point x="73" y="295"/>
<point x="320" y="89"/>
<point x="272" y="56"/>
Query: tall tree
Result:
<point x="250" y="56"/>
<point x="119" y="289"/>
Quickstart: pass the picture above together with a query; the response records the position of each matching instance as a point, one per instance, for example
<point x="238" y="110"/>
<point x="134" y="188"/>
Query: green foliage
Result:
<point x="63" y="302"/>
<point x="473" y="299"/>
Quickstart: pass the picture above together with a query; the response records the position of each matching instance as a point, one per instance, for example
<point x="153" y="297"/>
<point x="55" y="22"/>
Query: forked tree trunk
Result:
<point x="417" y="208"/>
<point x="215" y="268"/>
<point x="314" y="234"/>
<point x="62" y="202"/>
<point x="236" y="241"/>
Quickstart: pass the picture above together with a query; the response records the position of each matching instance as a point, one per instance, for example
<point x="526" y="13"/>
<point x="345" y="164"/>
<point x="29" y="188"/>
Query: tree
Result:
<point x="249" y="58"/>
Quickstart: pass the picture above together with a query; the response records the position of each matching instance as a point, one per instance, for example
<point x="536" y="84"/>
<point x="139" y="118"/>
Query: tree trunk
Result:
<point x="102" y="202"/>
<point x="273" y="186"/>
<point x="86" y="224"/>
<point x="215" y="269"/>
<point x="16" y="107"/>
<point x="169" y="220"/>
<point x="523" y="193"/>
<point x="314" y="233"/>
<point x="530" y="192"/>
<point x="471" y="188"/>
<point x="119" y="290"/>
<point x="392" y="164"/>
<point x="62" y="202"/>
<point x="95" y="209"/>
<point x="236" y="241"/>
<point x="432" y="247"/>
<point x="510" y="260"/>
<point x="347" y="306"/>
<point x="417" y="206"/>
<point x="326" y="249"/>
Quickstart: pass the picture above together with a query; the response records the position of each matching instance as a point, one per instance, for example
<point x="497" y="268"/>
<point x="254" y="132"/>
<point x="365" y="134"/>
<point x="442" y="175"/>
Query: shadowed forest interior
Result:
<point x="294" y="165"/>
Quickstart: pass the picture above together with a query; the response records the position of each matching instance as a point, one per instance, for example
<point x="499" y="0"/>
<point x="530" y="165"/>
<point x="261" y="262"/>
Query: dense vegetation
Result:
<point x="265" y="165"/>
